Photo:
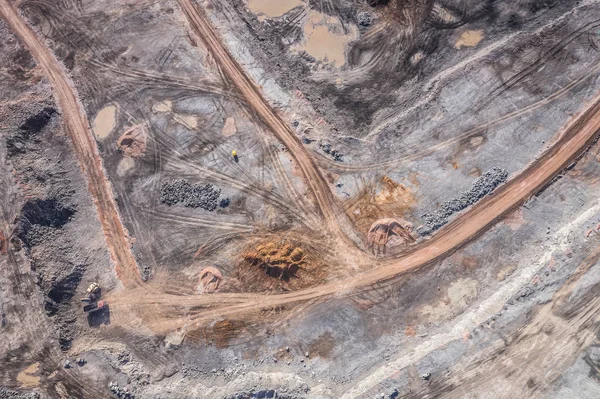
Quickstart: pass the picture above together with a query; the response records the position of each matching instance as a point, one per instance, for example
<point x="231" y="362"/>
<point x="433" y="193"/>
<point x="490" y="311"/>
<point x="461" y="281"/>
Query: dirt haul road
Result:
<point x="81" y="136"/>
<point x="568" y="146"/>
<point x="335" y="217"/>
<point x="566" y="149"/>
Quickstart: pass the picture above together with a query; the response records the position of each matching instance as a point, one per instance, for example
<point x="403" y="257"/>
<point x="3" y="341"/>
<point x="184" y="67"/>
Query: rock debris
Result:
<point x="191" y="195"/>
<point x="483" y="186"/>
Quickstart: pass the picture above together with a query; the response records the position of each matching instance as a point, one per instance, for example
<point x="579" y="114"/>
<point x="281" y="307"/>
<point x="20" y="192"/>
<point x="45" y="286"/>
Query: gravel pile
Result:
<point x="364" y="19"/>
<point x="121" y="393"/>
<point x="6" y="393"/>
<point x="335" y="154"/>
<point x="265" y="394"/>
<point x="191" y="195"/>
<point x="483" y="186"/>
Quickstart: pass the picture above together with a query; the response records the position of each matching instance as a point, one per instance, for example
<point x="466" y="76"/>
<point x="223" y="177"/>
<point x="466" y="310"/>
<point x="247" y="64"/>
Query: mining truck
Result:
<point x="95" y="306"/>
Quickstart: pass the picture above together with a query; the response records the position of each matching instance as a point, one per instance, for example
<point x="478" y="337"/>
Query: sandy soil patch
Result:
<point x="126" y="164"/>
<point x="386" y="199"/>
<point x="324" y="38"/>
<point x="469" y="38"/>
<point x="476" y="141"/>
<point x="457" y="299"/>
<point x="28" y="377"/>
<point x="505" y="272"/>
<point x="272" y="8"/>
<point x="187" y="120"/>
<point x="229" y="129"/>
<point x="105" y="121"/>
<point x="163" y="106"/>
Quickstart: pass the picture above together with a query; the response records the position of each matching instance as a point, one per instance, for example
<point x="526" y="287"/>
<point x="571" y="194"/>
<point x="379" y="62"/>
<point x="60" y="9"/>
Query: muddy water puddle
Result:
<point x="105" y="121"/>
<point x="325" y="39"/>
<point x="272" y="8"/>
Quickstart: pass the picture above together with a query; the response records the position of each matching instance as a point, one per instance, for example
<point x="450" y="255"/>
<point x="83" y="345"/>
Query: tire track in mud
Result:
<point x="537" y="64"/>
<point x="571" y="143"/>
<point x="84" y="144"/>
<point x="394" y="163"/>
<point x="432" y="86"/>
<point x="335" y="218"/>
<point x="205" y="86"/>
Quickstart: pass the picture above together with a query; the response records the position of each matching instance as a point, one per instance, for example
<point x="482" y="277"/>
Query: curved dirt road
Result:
<point x="86" y="150"/>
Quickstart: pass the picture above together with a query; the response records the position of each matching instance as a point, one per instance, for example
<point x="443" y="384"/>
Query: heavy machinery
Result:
<point x="91" y="299"/>
<point x="95" y="306"/>
<point x="92" y="294"/>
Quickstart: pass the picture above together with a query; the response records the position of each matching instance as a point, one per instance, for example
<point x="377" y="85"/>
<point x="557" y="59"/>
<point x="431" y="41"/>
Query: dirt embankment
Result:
<point x="79" y="131"/>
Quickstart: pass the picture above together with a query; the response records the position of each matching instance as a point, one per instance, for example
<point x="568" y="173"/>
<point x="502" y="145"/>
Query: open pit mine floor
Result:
<point x="209" y="199"/>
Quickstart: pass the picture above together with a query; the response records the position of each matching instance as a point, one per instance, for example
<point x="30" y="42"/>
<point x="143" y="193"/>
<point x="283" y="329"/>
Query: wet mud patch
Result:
<point x="325" y="38"/>
<point x="220" y="334"/>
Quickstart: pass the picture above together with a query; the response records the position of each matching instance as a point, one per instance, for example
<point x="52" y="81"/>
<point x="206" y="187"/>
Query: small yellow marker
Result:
<point x="234" y="155"/>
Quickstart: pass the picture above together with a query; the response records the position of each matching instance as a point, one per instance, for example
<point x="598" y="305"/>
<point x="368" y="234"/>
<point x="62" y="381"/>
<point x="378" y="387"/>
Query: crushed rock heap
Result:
<point x="483" y="186"/>
<point x="191" y="195"/>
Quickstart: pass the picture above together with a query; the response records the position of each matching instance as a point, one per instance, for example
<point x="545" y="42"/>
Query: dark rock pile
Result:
<point x="335" y="154"/>
<point x="38" y="216"/>
<point x="6" y="393"/>
<point x="191" y="195"/>
<point x="483" y="186"/>
<point x="17" y="142"/>
<point x="364" y="19"/>
<point x="264" y="394"/>
<point x="121" y="393"/>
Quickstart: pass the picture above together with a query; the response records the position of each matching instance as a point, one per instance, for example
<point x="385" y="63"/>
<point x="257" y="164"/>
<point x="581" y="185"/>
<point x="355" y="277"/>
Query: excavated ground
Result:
<point x="410" y="109"/>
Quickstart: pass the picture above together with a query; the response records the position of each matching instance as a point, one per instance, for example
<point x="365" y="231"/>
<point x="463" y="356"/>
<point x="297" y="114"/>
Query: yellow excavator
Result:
<point x="92" y="293"/>
<point x="92" y="304"/>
